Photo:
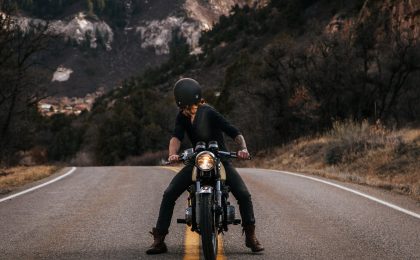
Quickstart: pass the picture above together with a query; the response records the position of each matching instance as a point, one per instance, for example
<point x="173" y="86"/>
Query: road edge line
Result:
<point x="390" y="205"/>
<point x="39" y="186"/>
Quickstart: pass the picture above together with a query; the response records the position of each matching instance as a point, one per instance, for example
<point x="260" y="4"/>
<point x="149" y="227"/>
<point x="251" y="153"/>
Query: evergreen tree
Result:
<point x="100" y="6"/>
<point x="89" y="5"/>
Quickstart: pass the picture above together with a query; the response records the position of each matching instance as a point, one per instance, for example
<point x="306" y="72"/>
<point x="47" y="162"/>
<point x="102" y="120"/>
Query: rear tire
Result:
<point x="208" y="229"/>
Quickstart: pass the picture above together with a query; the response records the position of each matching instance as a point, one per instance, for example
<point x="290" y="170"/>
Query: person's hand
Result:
<point x="243" y="154"/>
<point x="173" y="158"/>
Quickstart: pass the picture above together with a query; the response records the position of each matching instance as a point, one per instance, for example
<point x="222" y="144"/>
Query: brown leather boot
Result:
<point x="251" y="240"/>
<point x="158" y="246"/>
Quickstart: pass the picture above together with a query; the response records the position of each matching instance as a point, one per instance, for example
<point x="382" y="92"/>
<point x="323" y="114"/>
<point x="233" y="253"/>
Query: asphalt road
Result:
<point x="106" y="213"/>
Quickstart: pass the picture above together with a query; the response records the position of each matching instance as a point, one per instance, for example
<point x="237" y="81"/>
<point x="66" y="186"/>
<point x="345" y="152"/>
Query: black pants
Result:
<point x="182" y="181"/>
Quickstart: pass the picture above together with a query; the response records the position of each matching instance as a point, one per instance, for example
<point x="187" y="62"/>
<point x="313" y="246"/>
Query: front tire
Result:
<point x="208" y="228"/>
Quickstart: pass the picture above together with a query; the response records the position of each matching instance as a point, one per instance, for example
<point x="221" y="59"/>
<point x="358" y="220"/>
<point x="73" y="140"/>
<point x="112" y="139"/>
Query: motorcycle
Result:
<point x="208" y="212"/>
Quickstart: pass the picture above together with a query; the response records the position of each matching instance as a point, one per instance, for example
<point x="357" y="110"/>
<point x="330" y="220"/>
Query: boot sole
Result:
<point x="151" y="252"/>
<point x="156" y="252"/>
<point x="255" y="250"/>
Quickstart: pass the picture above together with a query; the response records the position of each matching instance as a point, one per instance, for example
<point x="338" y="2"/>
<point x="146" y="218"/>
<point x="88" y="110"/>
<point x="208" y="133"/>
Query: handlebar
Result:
<point x="222" y="154"/>
<point x="227" y="154"/>
<point x="231" y="155"/>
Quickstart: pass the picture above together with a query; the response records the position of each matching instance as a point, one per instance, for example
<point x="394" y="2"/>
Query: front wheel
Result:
<point x="208" y="227"/>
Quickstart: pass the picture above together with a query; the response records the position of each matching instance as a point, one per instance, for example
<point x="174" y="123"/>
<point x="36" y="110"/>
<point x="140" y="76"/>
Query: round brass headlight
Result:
<point x="205" y="161"/>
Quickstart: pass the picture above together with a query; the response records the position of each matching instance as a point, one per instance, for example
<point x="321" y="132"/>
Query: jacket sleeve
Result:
<point x="224" y="125"/>
<point x="179" y="130"/>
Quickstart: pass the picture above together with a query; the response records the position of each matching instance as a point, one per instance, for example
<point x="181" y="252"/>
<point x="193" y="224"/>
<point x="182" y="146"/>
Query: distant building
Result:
<point x="46" y="107"/>
<point x="68" y="106"/>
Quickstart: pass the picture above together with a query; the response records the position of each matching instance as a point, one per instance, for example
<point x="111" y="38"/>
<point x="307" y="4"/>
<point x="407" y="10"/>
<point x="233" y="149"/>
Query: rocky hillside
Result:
<point x="393" y="15"/>
<point x="103" y="43"/>
<point x="278" y="70"/>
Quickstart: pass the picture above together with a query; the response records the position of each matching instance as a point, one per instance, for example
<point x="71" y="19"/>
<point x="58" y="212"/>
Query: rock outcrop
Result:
<point x="107" y="54"/>
<point x="390" y="16"/>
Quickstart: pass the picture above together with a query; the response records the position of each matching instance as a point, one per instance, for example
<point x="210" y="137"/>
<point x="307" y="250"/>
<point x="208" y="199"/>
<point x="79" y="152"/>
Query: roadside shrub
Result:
<point x="416" y="190"/>
<point x="333" y="154"/>
<point x="351" y="139"/>
<point x="350" y="131"/>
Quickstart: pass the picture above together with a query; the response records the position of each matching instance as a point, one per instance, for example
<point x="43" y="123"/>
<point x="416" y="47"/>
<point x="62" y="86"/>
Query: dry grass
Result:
<point x="355" y="152"/>
<point x="11" y="178"/>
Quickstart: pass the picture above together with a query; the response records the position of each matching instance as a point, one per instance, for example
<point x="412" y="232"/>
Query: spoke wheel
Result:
<point x="208" y="228"/>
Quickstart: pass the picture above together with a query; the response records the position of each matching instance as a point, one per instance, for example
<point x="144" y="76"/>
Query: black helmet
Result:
<point x="187" y="92"/>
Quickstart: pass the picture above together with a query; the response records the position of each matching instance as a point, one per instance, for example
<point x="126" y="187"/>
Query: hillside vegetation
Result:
<point x="355" y="152"/>
<point x="281" y="72"/>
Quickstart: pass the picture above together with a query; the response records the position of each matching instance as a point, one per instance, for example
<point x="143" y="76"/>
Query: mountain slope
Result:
<point x="282" y="71"/>
<point x="105" y="42"/>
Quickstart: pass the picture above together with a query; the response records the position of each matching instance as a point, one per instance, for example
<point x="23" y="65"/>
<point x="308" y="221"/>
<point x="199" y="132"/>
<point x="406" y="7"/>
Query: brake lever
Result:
<point x="166" y="163"/>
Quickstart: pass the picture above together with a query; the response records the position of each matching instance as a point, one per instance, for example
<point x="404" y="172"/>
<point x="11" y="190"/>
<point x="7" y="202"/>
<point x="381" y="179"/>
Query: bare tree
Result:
<point x="397" y="66"/>
<point x="21" y="76"/>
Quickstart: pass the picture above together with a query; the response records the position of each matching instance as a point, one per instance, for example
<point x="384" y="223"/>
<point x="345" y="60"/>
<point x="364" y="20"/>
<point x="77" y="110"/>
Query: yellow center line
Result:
<point x="220" y="251"/>
<point x="192" y="239"/>
<point x="191" y="245"/>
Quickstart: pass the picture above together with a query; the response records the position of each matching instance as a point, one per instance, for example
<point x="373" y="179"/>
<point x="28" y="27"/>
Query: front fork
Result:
<point x="217" y="198"/>
<point x="218" y="203"/>
<point x="197" y="202"/>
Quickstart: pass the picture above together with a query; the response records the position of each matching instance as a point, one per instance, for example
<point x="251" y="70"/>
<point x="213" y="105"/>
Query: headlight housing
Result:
<point x="205" y="161"/>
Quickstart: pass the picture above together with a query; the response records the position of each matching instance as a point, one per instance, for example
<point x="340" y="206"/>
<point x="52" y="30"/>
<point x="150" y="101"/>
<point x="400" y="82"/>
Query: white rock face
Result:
<point x="158" y="34"/>
<point x="24" y="23"/>
<point x="208" y="12"/>
<point x="78" y="29"/>
<point x="201" y="15"/>
<point x="62" y="74"/>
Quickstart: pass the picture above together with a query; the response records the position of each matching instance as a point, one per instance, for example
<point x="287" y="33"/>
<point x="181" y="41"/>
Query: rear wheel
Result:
<point x="208" y="227"/>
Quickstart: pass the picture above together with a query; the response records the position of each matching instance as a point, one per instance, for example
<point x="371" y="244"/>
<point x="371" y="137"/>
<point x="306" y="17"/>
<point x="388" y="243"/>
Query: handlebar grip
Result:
<point x="249" y="157"/>
<point x="181" y="159"/>
<point x="232" y="155"/>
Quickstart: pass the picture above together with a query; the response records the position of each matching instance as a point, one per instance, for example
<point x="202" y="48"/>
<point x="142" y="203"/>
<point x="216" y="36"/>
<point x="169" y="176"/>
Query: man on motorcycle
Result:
<point x="201" y="122"/>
